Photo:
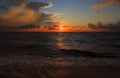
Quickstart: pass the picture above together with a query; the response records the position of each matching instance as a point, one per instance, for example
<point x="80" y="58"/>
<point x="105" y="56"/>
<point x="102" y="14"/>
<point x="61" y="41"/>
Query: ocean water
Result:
<point x="60" y="49"/>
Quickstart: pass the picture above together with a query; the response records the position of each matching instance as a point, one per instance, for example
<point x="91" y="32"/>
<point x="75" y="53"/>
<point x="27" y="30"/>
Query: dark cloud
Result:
<point x="48" y="19"/>
<point x="36" y="6"/>
<point x="28" y="26"/>
<point x="109" y="26"/>
<point x="53" y="27"/>
<point x="20" y="13"/>
<point x="7" y="4"/>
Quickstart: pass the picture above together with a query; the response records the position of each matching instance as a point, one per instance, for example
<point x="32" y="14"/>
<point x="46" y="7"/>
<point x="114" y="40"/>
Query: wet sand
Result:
<point x="88" y="72"/>
<point x="48" y="72"/>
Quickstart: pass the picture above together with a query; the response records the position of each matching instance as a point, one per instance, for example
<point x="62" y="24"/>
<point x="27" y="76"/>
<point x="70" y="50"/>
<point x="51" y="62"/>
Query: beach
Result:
<point x="37" y="66"/>
<point x="43" y="72"/>
<point x="60" y="55"/>
<point x="88" y="72"/>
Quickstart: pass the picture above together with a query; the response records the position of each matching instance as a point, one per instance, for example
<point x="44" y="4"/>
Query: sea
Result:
<point x="60" y="50"/>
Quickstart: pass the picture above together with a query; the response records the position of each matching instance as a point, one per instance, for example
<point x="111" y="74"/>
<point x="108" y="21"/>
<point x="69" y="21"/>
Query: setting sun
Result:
<point x="61" y="28"/>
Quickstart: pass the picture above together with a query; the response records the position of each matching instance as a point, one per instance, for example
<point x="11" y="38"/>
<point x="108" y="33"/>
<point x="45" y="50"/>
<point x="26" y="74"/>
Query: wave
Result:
<point x="49" y="51"/>
<point x="78" y="53"/>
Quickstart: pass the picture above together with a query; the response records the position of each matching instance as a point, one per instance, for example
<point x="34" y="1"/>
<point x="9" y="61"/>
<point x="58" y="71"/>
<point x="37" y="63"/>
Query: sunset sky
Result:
<point x="60" y="15"/>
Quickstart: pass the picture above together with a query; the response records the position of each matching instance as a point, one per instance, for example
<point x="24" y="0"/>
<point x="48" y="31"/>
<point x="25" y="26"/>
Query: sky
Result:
<point x="60" y="15"/>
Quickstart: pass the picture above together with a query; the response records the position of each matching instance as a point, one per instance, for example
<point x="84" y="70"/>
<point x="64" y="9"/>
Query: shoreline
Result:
<point x="36" y="66"/>
<point x="88" y="72"/>
<point x="30" y="71"/>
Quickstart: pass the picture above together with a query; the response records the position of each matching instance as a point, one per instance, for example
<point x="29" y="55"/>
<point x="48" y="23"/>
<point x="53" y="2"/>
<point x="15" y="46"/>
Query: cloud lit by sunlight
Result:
<point x="104" y="4"/>
<point x="20" y="13"/>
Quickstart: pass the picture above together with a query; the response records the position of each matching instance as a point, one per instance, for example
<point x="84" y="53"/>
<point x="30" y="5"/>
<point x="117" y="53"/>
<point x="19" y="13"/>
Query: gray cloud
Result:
<point x="7" y="4"/>
<point x="27" y="26"/>
<point x="53" y="27"/>
<point x="36" y="6"/>
<point x="109" y="26"/>
<point x="24" y="14"/>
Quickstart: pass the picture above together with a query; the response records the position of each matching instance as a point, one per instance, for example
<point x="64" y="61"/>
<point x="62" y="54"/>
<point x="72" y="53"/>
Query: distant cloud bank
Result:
<point x="109" y="26"/>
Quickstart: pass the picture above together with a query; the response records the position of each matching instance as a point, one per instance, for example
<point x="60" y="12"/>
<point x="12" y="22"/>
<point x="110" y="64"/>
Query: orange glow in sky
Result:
<point x="59" y="16"/>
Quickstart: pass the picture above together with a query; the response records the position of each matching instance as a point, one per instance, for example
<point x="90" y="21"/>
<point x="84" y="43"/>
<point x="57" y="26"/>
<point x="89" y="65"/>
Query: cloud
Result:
<point x="109" y="26"/>
<point x="19" y="13"/>
<point x="106" y="3"/>
<point x="18" y="16"/>
<point x="48" y="19"/>
<point x="53" y="27"/>
<point x="36" y="6"/>
<point x="28" y="26"/>
<point x="98" y="12"/>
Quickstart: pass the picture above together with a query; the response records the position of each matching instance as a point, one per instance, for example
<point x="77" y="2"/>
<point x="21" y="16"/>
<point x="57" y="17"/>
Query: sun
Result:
<point x="61" y="28"/>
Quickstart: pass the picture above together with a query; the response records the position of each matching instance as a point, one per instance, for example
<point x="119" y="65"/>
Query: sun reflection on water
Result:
<point x="60" y="43"/>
